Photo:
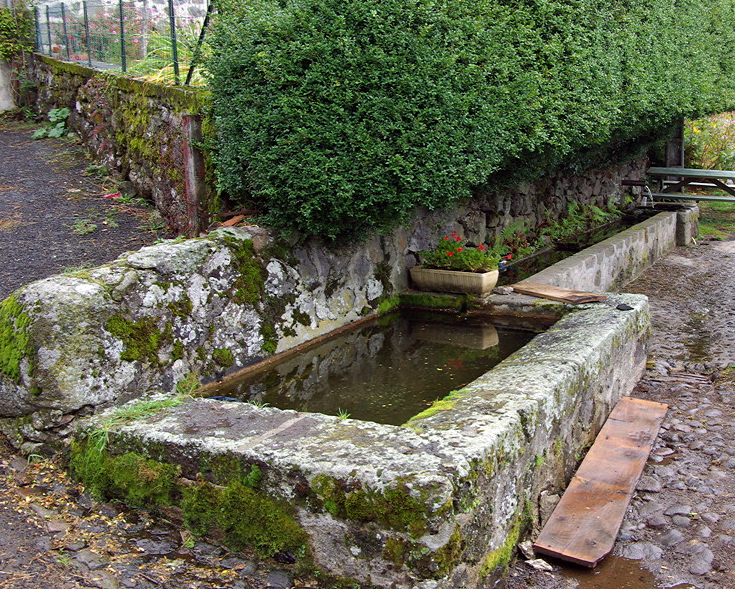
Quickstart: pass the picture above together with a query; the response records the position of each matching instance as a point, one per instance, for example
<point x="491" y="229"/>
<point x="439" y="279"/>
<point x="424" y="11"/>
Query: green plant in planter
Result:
<point x="452" y="253"/>
<point x="56" y="126"/>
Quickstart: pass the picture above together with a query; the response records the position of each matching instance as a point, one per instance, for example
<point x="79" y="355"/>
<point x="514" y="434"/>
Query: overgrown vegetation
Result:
<point x="338" y="116"/>
<point x="56" y="126"/>
<point x="709" y="142"/>
<point x="16" y="30"/>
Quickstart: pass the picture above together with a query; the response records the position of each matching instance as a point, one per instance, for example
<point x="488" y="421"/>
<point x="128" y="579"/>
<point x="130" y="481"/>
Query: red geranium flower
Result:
<point x="459" y="249"/>
<point x="450" y="253"/>
<point x="481" y="247"/>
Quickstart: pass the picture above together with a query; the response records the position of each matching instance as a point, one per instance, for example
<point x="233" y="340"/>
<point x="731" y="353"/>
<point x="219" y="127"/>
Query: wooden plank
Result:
<point x="556" y="293"/>
<point x="586" y="521"/>
<point x="692" y="173"/>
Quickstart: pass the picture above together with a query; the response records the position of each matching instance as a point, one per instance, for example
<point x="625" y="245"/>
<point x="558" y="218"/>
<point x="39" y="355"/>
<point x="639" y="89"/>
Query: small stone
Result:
<point x="678" y="509"/>
<point x="249" y="569"/>
<point x="231" y="562"/>
<point x="75" y="546"/>
<point x="56" y="526"/>
<point x="649" y="484"/>
<point x="90" y="560"/>
<point x="19" y="464"/>
<point x="526" y="549"/>
<point x="657" y="520"/>
<point x="279" y="580"/>
<point x="728" y="524"/>
<point x="642" y="551"/>
<point x="104" y="580"/>
<point x="703" y="563"/>
<point x="42" y="511"/>
<point x="156" y="547"/>
<point x="681" y="521"/>
<point x="710" y="518"/>
<point x="672" y="538"/>
<point x="503" y="290"/>
<point x="540" y="564"/>
<point x="704" y="532"/>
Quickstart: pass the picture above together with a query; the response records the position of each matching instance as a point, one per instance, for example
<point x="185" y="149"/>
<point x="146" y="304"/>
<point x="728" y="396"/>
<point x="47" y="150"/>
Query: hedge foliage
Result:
<point x="339" y="116"/>
<point x="16" y="27"/>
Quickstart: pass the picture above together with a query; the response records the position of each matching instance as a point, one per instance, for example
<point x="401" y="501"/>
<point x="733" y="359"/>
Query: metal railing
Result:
<point x="159" y="40"/>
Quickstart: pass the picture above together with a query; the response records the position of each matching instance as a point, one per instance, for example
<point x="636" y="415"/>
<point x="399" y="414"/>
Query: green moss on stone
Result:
<point x="249" y="286"/>
<point x="246" y="518"/>
<point x="394" y="507"/>
<point x="387" y="305"/>
<point x="130" y="477"/>
<point x="15" y="341"/>
<point x="434" y="301"/>
<point x="270" y="337"/>
<point x="444" y="404"/>
<point x="178" y="351"/>
<point x="223" y="357"/>
<point x="141" y="339"/>
<point x="499" y="558"/>
<point x="181" y="308"/>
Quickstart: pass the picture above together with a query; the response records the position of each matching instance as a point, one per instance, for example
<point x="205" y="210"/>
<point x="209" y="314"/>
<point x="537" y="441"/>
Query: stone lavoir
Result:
<point x="437" y="503"/>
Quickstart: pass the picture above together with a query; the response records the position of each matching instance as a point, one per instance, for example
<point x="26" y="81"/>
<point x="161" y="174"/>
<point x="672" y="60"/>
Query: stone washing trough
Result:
<point x="440" y="502"/>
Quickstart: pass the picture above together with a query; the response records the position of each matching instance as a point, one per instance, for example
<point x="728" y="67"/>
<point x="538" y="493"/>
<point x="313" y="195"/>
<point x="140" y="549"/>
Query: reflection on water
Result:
<point x="613" y="572"/>
<point x="386" y="371"/>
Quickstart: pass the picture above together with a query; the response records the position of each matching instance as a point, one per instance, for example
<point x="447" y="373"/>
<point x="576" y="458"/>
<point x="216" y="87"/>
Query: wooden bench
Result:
<point x="688" y="176"/>
<point x="697" y="197"/>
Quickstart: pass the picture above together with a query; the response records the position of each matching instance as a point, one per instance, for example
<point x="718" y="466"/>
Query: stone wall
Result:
<point x="148" y="133"/>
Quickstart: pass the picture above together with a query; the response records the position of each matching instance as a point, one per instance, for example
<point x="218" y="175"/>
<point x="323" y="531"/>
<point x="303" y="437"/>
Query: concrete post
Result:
<point x="6" y="87"/>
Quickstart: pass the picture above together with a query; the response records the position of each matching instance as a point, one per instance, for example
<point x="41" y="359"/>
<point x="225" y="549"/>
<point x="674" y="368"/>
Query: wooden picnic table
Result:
<point x="692" y="176"/>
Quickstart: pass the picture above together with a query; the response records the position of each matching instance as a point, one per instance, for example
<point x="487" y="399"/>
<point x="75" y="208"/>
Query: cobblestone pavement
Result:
<point x="680" y="528"/>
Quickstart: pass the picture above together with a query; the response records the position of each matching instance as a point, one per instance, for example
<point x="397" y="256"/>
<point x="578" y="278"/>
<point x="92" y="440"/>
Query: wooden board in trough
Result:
<point x="586" y="521"/>
<point x="556" y="293"/>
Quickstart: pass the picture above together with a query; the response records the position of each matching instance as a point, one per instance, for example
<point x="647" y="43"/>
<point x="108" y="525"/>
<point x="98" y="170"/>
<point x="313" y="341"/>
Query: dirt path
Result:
<point x="52" y="214"/>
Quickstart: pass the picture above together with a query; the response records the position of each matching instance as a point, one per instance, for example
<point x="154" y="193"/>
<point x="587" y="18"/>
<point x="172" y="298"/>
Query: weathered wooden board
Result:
<point x="556" y="293"/>
<point x="586" y="521"/>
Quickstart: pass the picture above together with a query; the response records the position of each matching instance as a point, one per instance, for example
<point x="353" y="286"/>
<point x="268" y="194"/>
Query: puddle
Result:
<point x="614" y="572"/>
<point x="386" y="371"/>
<point x="698" y="339"/>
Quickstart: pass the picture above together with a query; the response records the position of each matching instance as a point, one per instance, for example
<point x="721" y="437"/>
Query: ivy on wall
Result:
<point x="341" y="116"/>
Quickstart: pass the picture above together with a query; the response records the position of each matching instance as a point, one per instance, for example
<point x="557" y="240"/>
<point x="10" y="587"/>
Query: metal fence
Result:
<point x="159" y="40"/>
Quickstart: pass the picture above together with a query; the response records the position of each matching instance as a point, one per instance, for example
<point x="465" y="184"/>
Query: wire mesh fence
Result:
<point x="159" y="40"/>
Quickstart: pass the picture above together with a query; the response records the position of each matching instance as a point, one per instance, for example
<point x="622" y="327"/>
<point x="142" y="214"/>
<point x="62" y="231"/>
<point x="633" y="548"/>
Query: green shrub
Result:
<point x="16" y="29"/>
<point x="341" y="116"/>
<point x="710" y="142"/>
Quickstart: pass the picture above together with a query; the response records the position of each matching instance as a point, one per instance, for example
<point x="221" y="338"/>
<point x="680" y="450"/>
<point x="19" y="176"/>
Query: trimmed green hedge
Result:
<point x="340" y="116"/>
